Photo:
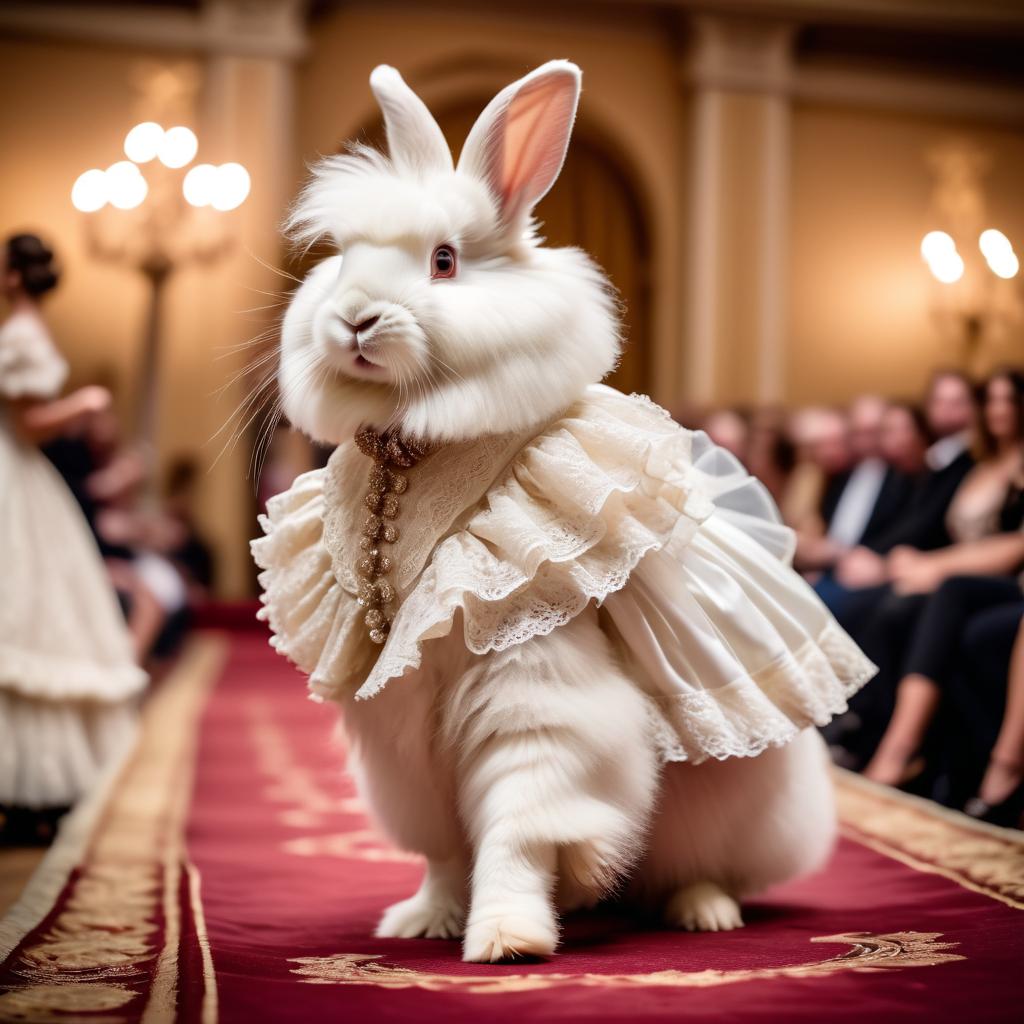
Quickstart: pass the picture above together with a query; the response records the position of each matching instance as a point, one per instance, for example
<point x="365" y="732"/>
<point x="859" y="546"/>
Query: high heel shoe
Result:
<point x="1006" y="813"/>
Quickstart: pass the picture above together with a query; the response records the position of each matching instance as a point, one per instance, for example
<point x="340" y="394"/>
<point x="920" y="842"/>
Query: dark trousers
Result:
<point x="974" y="698"/>
<point x="924" y="634"/>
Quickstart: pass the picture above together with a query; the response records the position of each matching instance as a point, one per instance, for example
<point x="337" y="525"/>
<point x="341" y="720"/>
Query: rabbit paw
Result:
<point x="422" y="916"/>
<point x="504" y="936"/>
<point x="703" y="907"/>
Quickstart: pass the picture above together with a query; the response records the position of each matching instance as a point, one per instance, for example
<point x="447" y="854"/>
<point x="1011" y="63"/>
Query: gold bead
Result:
<point x="374" y="618"/>
<point x="389" y="506"/>
<point x="367" y="567"/>
<point x="378" y="636"/>
<point x="368" y="544"/>
<point x="371" y="526"/>
<point x="373" y="501"/>
<point x="389" y="533"/>
<point x="368" y="596"/>
<point x="384" y="564"/>
<point x="385" y="592"/>
<point x="398" y="482"/>
<point x="379" y="479"/>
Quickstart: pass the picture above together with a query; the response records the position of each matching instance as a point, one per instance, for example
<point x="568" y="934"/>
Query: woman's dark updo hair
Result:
<point x="33" y="261"/>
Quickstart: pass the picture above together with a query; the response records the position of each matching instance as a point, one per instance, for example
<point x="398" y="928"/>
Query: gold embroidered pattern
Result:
<point x="928" y="838"/>
<point x="892" y="952"/>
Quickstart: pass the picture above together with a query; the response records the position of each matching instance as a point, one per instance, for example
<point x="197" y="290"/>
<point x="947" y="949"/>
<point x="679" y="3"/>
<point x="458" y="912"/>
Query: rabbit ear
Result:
<point x="415" y="142"/>
<point x="518" y="143"/>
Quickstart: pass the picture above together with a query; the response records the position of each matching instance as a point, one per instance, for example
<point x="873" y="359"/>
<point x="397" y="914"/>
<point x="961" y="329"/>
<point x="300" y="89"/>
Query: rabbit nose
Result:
<point x="363" y="325"/>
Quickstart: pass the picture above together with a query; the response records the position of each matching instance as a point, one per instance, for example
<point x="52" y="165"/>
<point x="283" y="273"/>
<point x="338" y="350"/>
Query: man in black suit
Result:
<point x="861" y="502"/>
<point x="921" y="524"/>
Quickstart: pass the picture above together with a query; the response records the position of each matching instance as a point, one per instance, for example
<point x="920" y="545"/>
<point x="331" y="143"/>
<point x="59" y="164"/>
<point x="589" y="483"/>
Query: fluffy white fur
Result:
<point x="528" y="777"/>
<point x="509" y="342"/>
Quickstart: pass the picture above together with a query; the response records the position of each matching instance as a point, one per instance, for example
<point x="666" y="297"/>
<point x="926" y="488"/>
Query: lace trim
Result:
<point x="807" y="687"/>
<point x="575" y="513"/>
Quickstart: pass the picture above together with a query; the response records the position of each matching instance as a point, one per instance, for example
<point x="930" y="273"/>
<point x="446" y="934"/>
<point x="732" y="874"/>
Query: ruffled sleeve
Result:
<point x="30" y="366"/>
<point x="566" y="524"/>
<point x="315" y="621"/>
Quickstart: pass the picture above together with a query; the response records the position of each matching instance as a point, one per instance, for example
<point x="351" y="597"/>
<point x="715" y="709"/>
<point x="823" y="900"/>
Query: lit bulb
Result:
<point x="936" y="244"/>
<point x="143" y="142"/>
<point x="199" y="184"/>
<point x="89" y="192"/>
<point x="993" y="242"/>
<point x="998" y="253"/>
<point x="947" y="267"/>
<point x="126" y="187"/>
<point x="178" y="147"/>
<point x="1004" y="264"/>
<point x="231" y="187"/>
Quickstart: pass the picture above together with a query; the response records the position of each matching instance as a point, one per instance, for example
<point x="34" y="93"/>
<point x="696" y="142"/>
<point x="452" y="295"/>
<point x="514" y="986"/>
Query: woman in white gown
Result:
<point x="68" y="681"/>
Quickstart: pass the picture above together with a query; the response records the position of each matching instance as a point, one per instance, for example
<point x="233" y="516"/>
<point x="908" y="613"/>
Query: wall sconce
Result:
<point x="973" y="306"/>
<point x="155" y="220"/>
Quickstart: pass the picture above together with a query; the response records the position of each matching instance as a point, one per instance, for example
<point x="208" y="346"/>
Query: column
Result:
<point x="740" y="72"/>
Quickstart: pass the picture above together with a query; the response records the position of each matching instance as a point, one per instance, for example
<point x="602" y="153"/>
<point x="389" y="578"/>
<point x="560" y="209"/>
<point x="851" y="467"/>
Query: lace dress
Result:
<point x="67" y="679"/>
<point x="514" y="535"/>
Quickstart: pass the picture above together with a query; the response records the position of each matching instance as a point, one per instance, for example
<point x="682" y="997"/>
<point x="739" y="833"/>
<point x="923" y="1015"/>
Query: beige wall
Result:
<point x="65" y="110"/>
<point x="861" y="298"/>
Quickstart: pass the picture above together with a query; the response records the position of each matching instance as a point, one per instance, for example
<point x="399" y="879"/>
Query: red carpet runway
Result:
<point x="227" y="873"/>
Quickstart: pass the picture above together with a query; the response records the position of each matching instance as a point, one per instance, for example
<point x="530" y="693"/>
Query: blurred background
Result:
<point x="757" y="177"/>
<point x="813" y="211"/>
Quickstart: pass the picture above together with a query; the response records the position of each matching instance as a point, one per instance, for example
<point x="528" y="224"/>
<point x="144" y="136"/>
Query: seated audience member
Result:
<point x="168" y="568"/>
<point x="729" y="429"/>
<point x="950" y="411"/>
<point x="903" y="440"/>
<point x="771" y="455"/>
<point x="985" y="517"/>
<point x="994" y="717"/>
<point x="959" y="656"/>
<point x="862" y="502"/>
<point x="822" y="442"/>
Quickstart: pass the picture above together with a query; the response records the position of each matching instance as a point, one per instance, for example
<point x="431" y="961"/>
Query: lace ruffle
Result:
<point x="315" y="621"/>
<point x="766" y="709"/>
<point x="570" y="518"/>
<point x="52" y="676"/>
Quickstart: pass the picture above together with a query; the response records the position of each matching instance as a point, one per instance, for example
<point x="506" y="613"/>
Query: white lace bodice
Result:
<point x="517" y="535"/>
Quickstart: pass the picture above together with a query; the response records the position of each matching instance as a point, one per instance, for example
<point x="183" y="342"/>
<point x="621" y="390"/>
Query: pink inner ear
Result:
<point x="537" y="124"/>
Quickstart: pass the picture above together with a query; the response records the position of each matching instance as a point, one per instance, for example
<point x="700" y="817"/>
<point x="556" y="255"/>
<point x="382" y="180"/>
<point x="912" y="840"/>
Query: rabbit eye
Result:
<point x="442" y="263"/>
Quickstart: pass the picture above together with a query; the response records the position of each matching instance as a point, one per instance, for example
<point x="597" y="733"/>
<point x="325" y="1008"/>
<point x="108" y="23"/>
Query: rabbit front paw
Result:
<point x="506" y="936"/>
<point x="428" y="916"/>
<point x="703" y="907"/>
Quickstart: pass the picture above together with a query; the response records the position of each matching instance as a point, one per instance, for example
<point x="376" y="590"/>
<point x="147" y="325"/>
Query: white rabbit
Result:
<point x="600" y="670"/>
